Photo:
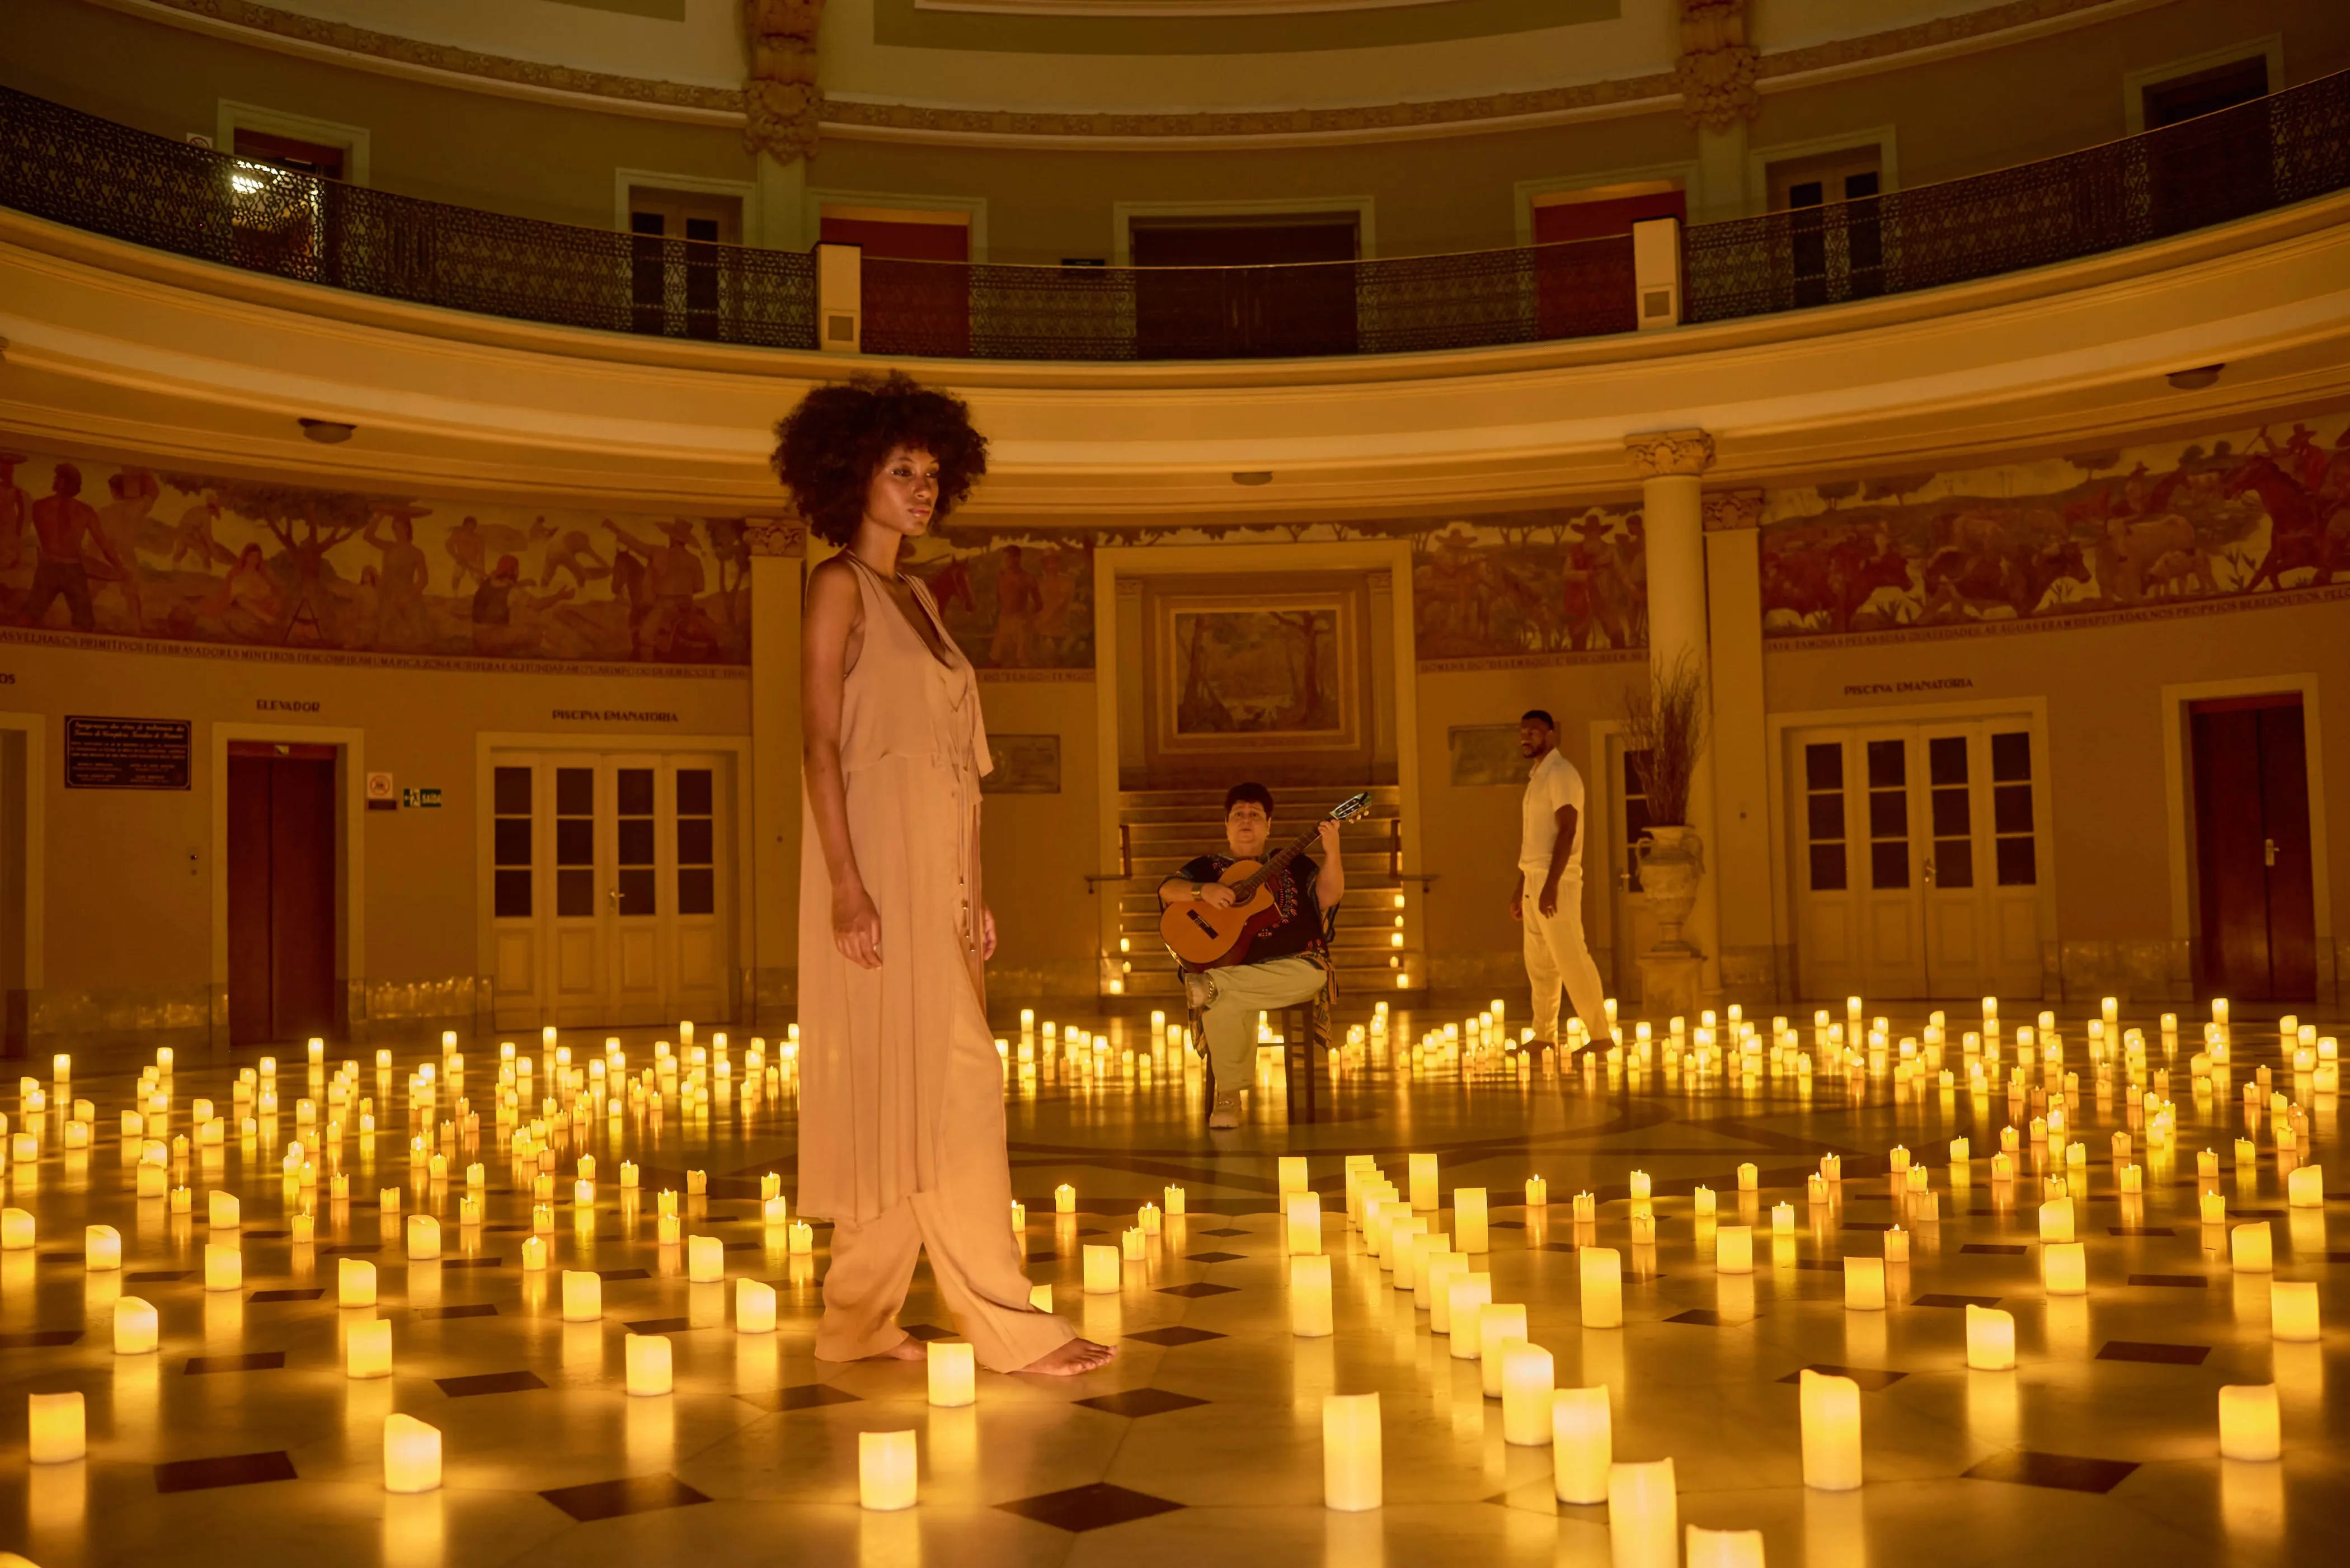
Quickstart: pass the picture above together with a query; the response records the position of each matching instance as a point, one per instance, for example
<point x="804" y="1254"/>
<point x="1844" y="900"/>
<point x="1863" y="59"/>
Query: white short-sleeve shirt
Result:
<point x="1553" y="783"/>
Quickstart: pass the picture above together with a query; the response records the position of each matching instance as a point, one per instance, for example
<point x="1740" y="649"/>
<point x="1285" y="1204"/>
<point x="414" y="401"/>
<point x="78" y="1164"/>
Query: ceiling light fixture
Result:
<point x="327" y="431"/>
<point x="2198" y="378"/>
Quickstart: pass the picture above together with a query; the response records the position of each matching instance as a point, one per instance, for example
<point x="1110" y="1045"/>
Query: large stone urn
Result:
<point x="1672" y="861"/>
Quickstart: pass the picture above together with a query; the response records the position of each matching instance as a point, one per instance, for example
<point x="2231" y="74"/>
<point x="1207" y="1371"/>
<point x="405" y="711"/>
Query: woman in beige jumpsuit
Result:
<point x="901" y="1100"/>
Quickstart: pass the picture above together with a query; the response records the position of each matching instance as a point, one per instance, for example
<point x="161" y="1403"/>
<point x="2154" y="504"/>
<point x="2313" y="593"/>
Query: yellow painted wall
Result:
<point x="1040" y="847"/>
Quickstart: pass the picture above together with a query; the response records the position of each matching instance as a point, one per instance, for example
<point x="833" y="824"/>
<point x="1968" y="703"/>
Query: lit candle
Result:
<point x="1831" y="1424"/>
<point x="1527" y="1382"/>
<point x="648" y="1364"/>
<point x="583" y="1295"/>
<point x="1643" y="1516"/>
<point x="1174" y="1200"/>
<point x="1466" y="1295"/>
<point x="223" y="1210"/>
<point x="1290" y="1171"/>
<point x="954" y="1373"/>
<point x="2292" y="1311"/>
<point x="1468" y="1220"/>
<point x="2213" y="1207"/>
<point x="2305" y="1187"/>
<point x="101" y="1248"/>
<point x="387" y="1198"/>
<point x="423" y="1238"/>
<point x="58" y="1429"/>
<point x="1303" y="1212"/>
<point x="366" y="1349"/>
<point x="411" y="1453"/>
<point x="2064" y="1268"/>
<point x="1496" y="1323"/>
<point x="1896" y="1246"/>
<point x="2056" y="1219"/>
<point x="1704" y="1202"/>
<point x="1749" y="1179"/>
<point x="1150" y="1223"/>
<point x="136" y="1326"/>
<point x="16" y="1230"/>
<point x="1733" y="1249"/>
<point x="1582" y="1444"/>
<point x="1065" y="1200"/>
<point x="886" y="1471"/>
<point x="1537" y="1192"/>
<point x="1101" y="1270"/>
<point x="754" y="1306"/>
<point x="534" y="1254"/>
<point x="1783" y="1218"/>
<point x="1725" y="1548"/>
<point x="1991" y="1339"/>
<point x="1603" y="1287"/>
<point x="1422" y="1168"/>
<point x="1864" y="1285"/>
<point x="354" y="1282"/>
<point x="705" y="1259"/>
<point x="1352" y="1480"/>
<point x="803" y="1239"/>
<point x="2249" y="1428"/>
<point x="629" y="1174"/>
<point x="2248" y="1248"/>
<point x="223" y="1267"/>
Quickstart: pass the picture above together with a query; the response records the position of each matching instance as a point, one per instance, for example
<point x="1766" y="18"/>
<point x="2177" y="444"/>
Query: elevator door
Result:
<point x="2254" y="881"/>
<point x="609" y="889"/>
<point x="281" y="893"/>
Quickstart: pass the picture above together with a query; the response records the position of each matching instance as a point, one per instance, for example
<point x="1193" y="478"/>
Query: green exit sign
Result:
<point x="428" y="799"/>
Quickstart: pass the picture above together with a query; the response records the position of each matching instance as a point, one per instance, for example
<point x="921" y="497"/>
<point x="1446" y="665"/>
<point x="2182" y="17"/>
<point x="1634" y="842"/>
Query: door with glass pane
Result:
<point x="1915" y="860"/>
<point x="609" y="888"/>
<point x="1633" y="929"/>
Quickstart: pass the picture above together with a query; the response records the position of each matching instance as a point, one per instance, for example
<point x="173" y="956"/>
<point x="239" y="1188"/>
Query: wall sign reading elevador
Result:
<point x="126" y="753"/>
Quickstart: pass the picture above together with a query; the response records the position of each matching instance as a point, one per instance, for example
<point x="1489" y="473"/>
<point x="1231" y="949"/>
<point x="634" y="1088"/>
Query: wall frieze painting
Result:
<point x="2234" y="519"/>
<point x="120" y="553"/>
<point x="1019" y="605"/>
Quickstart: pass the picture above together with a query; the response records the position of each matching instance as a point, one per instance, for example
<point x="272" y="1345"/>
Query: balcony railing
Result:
<point x="95" y="174"/>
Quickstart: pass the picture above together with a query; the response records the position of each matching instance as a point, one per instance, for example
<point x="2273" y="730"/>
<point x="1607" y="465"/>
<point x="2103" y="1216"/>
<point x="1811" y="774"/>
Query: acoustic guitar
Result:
<point x="1205" y="936"/>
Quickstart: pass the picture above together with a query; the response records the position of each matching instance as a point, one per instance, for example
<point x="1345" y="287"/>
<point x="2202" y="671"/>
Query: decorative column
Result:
<point x="1741" y="852"/>
<point x="778" y="551"/>
<point x="1669" y="463"/>
<point x="783" y="108"/>
<point x="1715" y="74"/>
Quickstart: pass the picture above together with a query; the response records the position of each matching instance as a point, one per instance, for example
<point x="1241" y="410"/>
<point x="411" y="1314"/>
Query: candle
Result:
<point x="58" y="1429"/>
<point x="1065" y="1200"/>
<point x="1101" y="1270"/>
<point x="1351" y="1472"/>
<point x="1423" y="1182"/>
<point x="2292" y="1311"/>
<point x="1991" y="1339"/>
<point x="2305" y="1187"/>
<point x="366" y="1349"/>
<point x="1587" y="1207"/>
<point x="1174" y="1200"/>
<point x="2133" y="1181"/>
<point x="583" y="1295"/>
<point x="1603" y="1287"/>
<point x="354" y="1282"/>
<point x="388" y="1200"/>
<point x="2213" y="1208"/>
<point x="705" y="1259"/>
<point x="2064" y="1268"/>
<point x="1749" y="1179"/>
<point x="1468" y="1220"/>
<point x="1442" y="1269"/>
<point x="1725" y="1548"/>
<point x="954" y="1373"/>
<point x="668" y="1229"/>
<point x="803" y="1239"/>
<point x="1496" y="1323"/>
<point x="1831" y="1423"/>
<point x="1151" y="1222"/>
<point x="2249" y="1428"/>
<point x="223" y="1210"/>
<point x="223" y="1267"/>
<point x="1303" y="1213"/>
<point x="1309" y="1296"/>
<point x="1291" y="1173"/>
<point x="1864" y="1285"/>
<point x="1582" y="1444"/>
<point x="665" y="1203"/>
<point x="1643" y="1516"/>
<point x="1466" y="1295"/>
<point x="101" y="1248"/>
<point x="411" y="1453"/>
<point x="754" y="1306"/>
<point x="534" y="1254"/>
<point x="423" y="1238"/>
<point x="2248" y="1248"/>
<point x="648" y="1364"/>
<point x="1537" y="1193"/>
<point x="885" y="1470"/>
<point x="2056" y="1219"/>
<point x="16" y="1230"/>
<point x="136" y="1326"/>
<point x="1527" y="1375"/>
<point x="1705" y="1202"/>
<point x="1896" y="1246"/>
<point x="1783" y="1218"/>
<point x="1733" y="1249"/>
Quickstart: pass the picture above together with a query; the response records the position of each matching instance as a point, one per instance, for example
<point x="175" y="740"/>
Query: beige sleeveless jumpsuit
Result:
<point x="901" y="1136"/>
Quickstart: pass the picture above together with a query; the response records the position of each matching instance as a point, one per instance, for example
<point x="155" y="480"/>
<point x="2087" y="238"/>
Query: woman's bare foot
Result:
<point x="907" y="1349"/>
<point x="1070" y="1359"/>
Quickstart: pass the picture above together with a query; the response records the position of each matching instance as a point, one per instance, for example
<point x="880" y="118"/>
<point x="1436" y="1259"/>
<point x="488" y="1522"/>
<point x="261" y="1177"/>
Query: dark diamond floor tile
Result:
<point x="1938" y="1299"/>
<point x="1995" y="1250"/>
<point x="490" y="1383"/>
<point x="632" y="1494"/>
<point x="2026" y="1467"/>
<point x="661" y="1325"/>
<point x="1831" y="1265"/>
<point x="1139" y="1402"/>
<point x="1226" y="1230"/>
<point x="229" y="1469"/>
<point x="1703" y="1317"/>
<point x="252" y="1360"/>
<point x="2140" y="1230"/>
<point x="1082" y="1508"/>
<point x="1093" y="1232"/>
<point x="1869" y="1224"/>
<point x="1872" y="1380"/>
<point x="1505" y="1224"/>
<point x="473" y="1262"/>
<point x="2256" y="1214"/>
<point x="346" y="1252"/>
<point x="266" y="1235"/>
<point x="471" y="1309"/>
<point x="611" y="1274"/>
<point x="2337" y="1257"/>
<point x="496" y="1231"/>
<point x="303" y="1296"/>
<point x="159" y="1276"/>
<point x="803" y="1396"/>
<point x="745" y="1246"/>
<point x="927" y="1332"/>
<point x="38" y="1338"/>
<point x="1172" y="1337"/>
<point x="63" y="1257"/>
<point x="1558" y="1246"/>
<point x="2149" y="1350"/>
<point x="1211" y="1257"/>
<point x="2184" y="1282"/>
<point x="1197" y="1288"/>
<point x="1040" y="1257"/>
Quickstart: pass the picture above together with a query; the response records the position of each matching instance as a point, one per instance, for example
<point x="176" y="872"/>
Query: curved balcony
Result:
<point x="75" y="169"/>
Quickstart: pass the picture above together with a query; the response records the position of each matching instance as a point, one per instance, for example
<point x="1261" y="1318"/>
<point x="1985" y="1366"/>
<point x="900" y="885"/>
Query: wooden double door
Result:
<point x="282" y="872"/>
<point x="2255" y="887"/>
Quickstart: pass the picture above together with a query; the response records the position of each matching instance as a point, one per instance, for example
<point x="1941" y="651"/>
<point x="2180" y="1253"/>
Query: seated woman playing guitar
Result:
<point x="1283" y="960"/>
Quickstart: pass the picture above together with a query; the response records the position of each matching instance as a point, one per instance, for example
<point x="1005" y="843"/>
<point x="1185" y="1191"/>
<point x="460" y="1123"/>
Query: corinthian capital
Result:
<point x="1729" y="509"/>
<point x="1670" y="452"/>
<point x="774" y="536"/>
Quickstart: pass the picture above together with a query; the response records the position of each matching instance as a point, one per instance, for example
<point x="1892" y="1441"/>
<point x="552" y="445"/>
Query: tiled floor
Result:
<point x="243" y="1437"/>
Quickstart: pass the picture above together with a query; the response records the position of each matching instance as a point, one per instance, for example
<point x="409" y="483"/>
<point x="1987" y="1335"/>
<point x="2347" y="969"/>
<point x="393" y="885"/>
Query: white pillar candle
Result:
<point x="803" y="1239"/>
<point x="2292" y="1309"/>
<point x="1466" y="1295"/>
<point x="223" y="1210"/>
<point x="2213" y="1207"/>
<point x="423" y="1238"/>
<point x="1310" y="1315"/>
<point x="2250" y="1248"/>
<point x="1733" y="1249"/>
<point x="1065" y="1200"/>
<point x="1528" y="1378"/>
<point x="1302" y="1213"/>
<point x="1991" y="1339"/>
<point x="1468" y="1220"/>
<point x="1864" y="1285"/>
<point x="955" y="1375"/>
<point x="57" y="1430"/>
<point x="648" y="1364"/>
<point x="2248" y="1427"/>
<point x="1443" y="1268"/>
<point x="16" y="1229"/>
<point x="669" y="1230"/>
<point x="366" y="1349"/>
<point x="1582" y="1444"/>
<point x="2056" y="1219"/>
<point x="1423" y="1183"/>
<point x="354" y="1282"/>
<point x="2305" y="1187"/>
<point x="1783" y="1216"/>
<point x="583" y="1295"/>
<point x="1725" y="1548"/>
<point x="223" y="1267"/>
<point x="1173" y="1198"/>
<point x="754" y="1306"/>
<point x="1643" y="1516"/>
<point x="886" y="1471"/>
<point x="136" y="1326"/>
<point x="1896" y="1246"/>
<point x="1101" y="1270"/>
<point x="534" y="1254"/>
<point x="1496" y="1323"/>
<point x="1537" y="1192"/>
<point x="1291" y="1172"/>
<point x="1603" y="1287"/>
<point x="1639" y="1184"/>
<point x="705" y="1259"/>
<point x="2064" y="1268"/>
<point x="101" y="1248"/>
<point x="1352" y="1473"/>
<point x="411" y="1453"/>
<point x="1831" y="1424"/>
<point x="1749" y="1179"/>
<point x="1133" y="1244"/>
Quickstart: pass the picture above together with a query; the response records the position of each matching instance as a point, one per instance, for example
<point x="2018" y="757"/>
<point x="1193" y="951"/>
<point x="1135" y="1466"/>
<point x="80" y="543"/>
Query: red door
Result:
<point x="2256" y="892"/>
<point x="281" y="893"/>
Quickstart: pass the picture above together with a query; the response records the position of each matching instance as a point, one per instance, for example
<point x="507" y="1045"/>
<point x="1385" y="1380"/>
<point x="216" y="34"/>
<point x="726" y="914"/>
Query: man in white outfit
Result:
<point x="1548" y="897"/>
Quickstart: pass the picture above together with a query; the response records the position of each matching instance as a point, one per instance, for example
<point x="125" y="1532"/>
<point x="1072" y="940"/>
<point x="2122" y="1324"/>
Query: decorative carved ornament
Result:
<point x="1717" y="69"/>
<point x="1670" y="452"/>
<point x="775" y="536"/>
<point x="1726" y="510"/>
<point x="782" y="103"/>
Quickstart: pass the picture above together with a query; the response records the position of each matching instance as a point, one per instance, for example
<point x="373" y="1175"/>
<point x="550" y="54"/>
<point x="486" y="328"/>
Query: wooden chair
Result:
<point x="1306" y="1045"/>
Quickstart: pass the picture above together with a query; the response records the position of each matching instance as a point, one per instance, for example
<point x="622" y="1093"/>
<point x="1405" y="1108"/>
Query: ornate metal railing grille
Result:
<point x="95" y="174"/>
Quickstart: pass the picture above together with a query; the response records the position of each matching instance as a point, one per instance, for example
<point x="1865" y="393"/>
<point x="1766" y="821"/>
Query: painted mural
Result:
<point x="191" y="556"/>
<point x="1012" y="601"/>
<point x="2249" y="513"/>
<point x="1559" y="580"/>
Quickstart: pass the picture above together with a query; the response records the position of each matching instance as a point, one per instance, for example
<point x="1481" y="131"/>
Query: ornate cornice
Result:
<point x="1716" y="71"/>
<point x="1658" y="453"/>
<point x="1652" y="93"/>
<point x="1730" y="510"/>
<point x="774" y="536"/>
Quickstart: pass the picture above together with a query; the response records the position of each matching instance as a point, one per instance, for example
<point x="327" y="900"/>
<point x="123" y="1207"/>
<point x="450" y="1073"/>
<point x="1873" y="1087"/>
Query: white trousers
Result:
<point x="1556" y="954"/>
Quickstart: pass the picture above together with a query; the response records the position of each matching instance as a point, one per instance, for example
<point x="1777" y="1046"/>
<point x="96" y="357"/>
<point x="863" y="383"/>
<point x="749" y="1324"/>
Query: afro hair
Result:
<point x="829" y="447"/>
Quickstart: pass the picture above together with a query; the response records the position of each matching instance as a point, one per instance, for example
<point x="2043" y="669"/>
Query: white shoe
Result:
<point x="1227" y="1113"/>
<point x="1199" y="991"/>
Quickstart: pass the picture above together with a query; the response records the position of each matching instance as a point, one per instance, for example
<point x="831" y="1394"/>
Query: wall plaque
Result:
<point x="126" y="753"/>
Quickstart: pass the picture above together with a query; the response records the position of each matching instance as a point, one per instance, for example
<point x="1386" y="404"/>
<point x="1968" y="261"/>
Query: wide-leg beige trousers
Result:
<point x="1556" y="954"/>
<point x="1242" y="992"/>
